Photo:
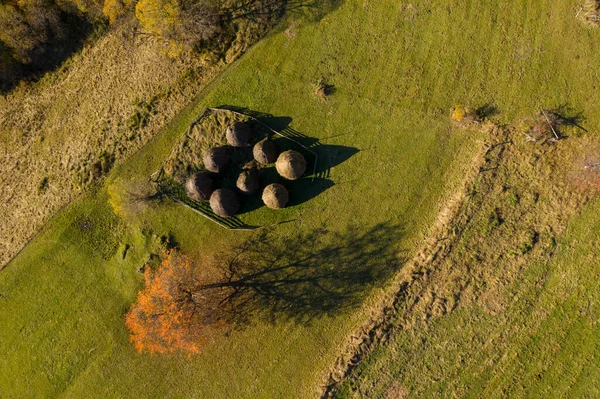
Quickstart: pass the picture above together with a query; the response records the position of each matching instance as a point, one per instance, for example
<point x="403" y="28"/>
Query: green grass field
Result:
<point x="397" y="69"/>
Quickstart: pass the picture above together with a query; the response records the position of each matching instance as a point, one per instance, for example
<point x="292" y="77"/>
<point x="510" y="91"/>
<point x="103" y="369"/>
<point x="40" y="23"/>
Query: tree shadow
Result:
<point x="48" y="56"/>
<point x="311" y="10"/>
<point x="306" y="276"/>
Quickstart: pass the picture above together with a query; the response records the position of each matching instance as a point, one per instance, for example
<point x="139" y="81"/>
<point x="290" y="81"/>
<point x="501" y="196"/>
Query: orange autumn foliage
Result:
<point x="167" y="316"/>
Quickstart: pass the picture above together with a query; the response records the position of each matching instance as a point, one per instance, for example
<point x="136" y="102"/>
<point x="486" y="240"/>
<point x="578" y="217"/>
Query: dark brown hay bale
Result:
<point x="199" y="186"/>
<point x="216" y="159"/>
<point x="239" y="134"/>
<point x="265" y="152"/>
<point x="291" y="165"/>
<point x="275" y="196"/>
<point x="225" y="202"/>
<point x="248" y="181"/>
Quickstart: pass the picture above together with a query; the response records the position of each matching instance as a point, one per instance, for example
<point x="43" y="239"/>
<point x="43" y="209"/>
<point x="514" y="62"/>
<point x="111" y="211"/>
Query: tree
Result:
<point x="264" y="277"/>
<point x="28" y="25"/>
<point x="170" y="313"/>
<point x="180" y="23"/>
<point x="10" y="69"/>
<point x="159" y="17"/>
<point x="113" y="9"/>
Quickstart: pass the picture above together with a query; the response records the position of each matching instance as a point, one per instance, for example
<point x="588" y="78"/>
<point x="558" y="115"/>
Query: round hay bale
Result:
<point x="239" y="134"/>
<point x="291" y="165"/>
<point x="216" y="159"/>
<point x="248" y="181"/>
<point x="275" y="196"/>
<point x="225" y="202"/>
<point x="199" y="186"/>
<point x="265" y="152"/>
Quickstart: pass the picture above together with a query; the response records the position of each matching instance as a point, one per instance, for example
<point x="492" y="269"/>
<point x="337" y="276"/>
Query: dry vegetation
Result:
<point x="66" y="132"/>
<point x="60" y="135"/>
<point x="590" y="11"/>
<point x="515" y="206"/>
<point x="207" y="132"/>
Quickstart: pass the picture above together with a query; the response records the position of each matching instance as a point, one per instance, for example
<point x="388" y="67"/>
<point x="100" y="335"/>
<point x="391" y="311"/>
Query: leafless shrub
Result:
<point x="590" y="12"/>
<point x="543" y="127"/>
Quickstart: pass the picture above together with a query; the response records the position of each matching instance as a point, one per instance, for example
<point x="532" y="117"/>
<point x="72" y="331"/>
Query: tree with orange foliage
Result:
<point x="171" y="313"/>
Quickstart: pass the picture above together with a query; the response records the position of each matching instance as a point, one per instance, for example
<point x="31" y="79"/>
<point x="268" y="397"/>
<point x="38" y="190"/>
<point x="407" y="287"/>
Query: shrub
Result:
<point x="114" y="9"/>
<point x="324" y="89"/>
<point x="458" y="113"/>
<point x="528" y="240"/>
<point x="543" y="127"/>
<point x="463" y="116"/>
<point x="43" y="186"/>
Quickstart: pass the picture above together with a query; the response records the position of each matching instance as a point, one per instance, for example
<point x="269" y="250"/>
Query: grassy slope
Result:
<point x="545" y="344"/>
<point x="397" y="72"/>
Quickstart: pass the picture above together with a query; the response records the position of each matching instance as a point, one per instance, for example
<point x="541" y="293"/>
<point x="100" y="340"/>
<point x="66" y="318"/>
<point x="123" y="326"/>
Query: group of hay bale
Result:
<point x="225" y="202"/>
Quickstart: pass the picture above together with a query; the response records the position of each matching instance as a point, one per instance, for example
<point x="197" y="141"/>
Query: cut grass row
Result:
<point x="543" y="344"/>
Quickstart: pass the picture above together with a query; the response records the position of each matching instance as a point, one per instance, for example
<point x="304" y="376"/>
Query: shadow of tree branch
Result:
<point x="314" y="10"/>
<point x="304" y="277"/>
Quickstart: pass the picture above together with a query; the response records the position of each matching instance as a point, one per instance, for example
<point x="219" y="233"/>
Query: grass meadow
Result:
<point x="397" y="69"/>
<point x="543" y="344"/>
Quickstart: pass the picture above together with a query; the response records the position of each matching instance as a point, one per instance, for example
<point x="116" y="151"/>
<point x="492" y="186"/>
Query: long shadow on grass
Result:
<point x="306" y="276"/>
<point x="67" y="33"/>
<point x="312" y="10"/>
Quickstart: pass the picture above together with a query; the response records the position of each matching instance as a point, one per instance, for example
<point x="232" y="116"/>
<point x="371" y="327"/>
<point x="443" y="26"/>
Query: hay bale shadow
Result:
<point x="330" y="156"/>
<point x="306" y="189"/>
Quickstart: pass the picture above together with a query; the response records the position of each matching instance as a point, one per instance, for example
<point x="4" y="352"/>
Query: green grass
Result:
<point x="397" y="72"/>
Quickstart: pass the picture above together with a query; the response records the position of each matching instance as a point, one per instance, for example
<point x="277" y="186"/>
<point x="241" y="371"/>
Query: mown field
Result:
<point x="543" y="344"/>
<point x="397" y="69"/>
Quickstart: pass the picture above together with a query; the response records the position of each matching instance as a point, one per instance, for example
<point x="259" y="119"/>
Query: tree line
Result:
<point x="38" y="35"/>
